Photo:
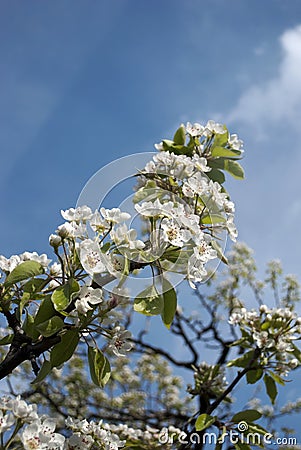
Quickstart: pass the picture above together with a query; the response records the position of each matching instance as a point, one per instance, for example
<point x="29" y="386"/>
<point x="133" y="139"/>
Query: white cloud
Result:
<point x="278" y="99"/>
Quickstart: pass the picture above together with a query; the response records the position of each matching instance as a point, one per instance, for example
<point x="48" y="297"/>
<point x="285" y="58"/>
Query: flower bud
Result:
<point x="65" y="230"/>
<point x="55" y="240"/>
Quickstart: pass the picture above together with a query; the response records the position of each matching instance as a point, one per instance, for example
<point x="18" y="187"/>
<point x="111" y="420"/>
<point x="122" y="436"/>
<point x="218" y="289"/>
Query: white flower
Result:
<point x="235" y="319"/>
<point x="119" y="342"/>
<point x="122" y="235"/>
<point x="87" y="297"/>
<point x="42" y="259"/>
<point x="200" y="163"/>
<point x="214" y="127"/>
<point x="173" y="233"/>
<point x="91" y="257"/>
<point x="159" y="146"/>
<point x="156" y="208"/>
<point x="24" y="411"/>
<point x="204" y="251"/>
<point x="195" y="270"/>
<point x="166" y="163"/>
<point x="194" y="130"/>
<point x="231" y="228"/>
<point x="6" y="421"/>
<point x="263" y="340"/>
<point x="79" y="442"/>
<point x="55" y="270"/>
<point x="79" y="214"/>
<point x="55" y="240"/>
<point x="65" y="230"/>
<point x="114" y="215"/>
<point x="9" y="264"/>
<point x="235" y="143"/>
<point x="197" y="184"/>
<point x="98" y="224"/>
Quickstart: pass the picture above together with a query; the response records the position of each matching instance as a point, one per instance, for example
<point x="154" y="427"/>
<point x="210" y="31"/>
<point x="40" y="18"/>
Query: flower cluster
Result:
<point x="209" y="381"/>
<point x="272" y="331"/>
<point x="186" y="210"/>
<point x="21" y="424"/>
<point x="7" y="265"/>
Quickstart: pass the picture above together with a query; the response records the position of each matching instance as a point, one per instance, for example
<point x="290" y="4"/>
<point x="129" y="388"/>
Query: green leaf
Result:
<point x="35" y="285"/>
<point x="63" y="351"/>
<point x="45" y="311"/>
<point x="204" y="421"/>
<point x="213" y="219"/>
<point x="271" y="388"/>
<point x="235" y="169"/>
<point x="28" y="326"/>
<point x="218" y="446"/>
<point x="265" y="325"/>
<point x="249" y="415"/>
<point x="222" y="152"/>
<point x="243" y="361"/>
<point x="43" y="372"/>
<point x="51" y="326"/>
<point x="149" y="302"/>
<point x="216" y="163"/>
<point x="169" y="303"/>
<point x="296" y="352"/>
<point x="6" y="339"/>
<point x="99" y="365"/>
<point x="221" y="139"/>
<point x="180" y="136"/>
<point x="277" y="378"/>
<point x="254" y="375"/>
<point x="242" y="446"/>
<point x="62" y="296"/>
<point x="25" y="270"/>
<point x="216" y="175"/>
<point x="167" y="143"/>
<point x="219" y="251"/>
<point x="254" y="427"/>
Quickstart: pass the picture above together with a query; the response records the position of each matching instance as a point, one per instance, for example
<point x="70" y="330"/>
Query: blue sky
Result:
<point x="83" y="83"/>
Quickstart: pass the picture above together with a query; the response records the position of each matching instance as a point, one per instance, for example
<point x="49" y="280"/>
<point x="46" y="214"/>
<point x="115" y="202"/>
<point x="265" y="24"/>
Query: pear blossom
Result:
<point x="123" y="235"/>
<point x="194" y="130"/>
<point x="114" y="215"/>
<point x="6" y="421"/>
<point x="200" y="163"/>
<point x="87" y="297"/>
<point x="197" y="184"/>
<point x="77" y="215"/>
<point x="231" y="228"/>
<point x="214" y="127"/>
<point x="263" y="340"/>
<point x="167" y="163"/>
<point x="9" y="264"/>
<point x="65" y="230"/>
<point x="119" y="343"/>
<point x="23" y="410"/>
<point x="235" y="142"/>
<point x="205" y="251"/>
<point x="55" y="270"/>
<point x="42" y="259"/>
<point x="98" y="224"/>
<point x="156" y="208"/>
<point x="196" y="269"/>
<point x="55" y="240"/>
<point x="173" y="234"/>
<point x="91" y="256"/>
